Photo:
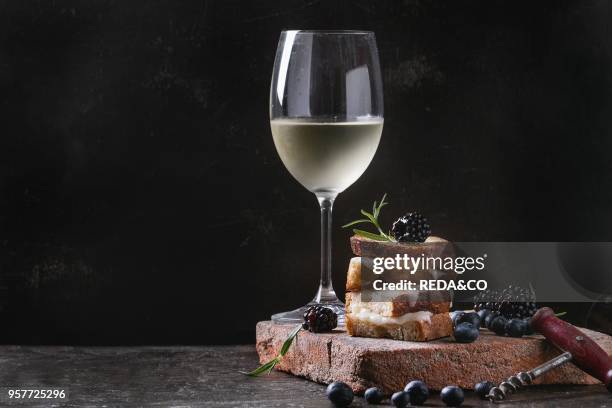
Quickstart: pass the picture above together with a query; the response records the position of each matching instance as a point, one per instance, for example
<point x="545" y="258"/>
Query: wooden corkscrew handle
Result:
<point x="586" y="354"/>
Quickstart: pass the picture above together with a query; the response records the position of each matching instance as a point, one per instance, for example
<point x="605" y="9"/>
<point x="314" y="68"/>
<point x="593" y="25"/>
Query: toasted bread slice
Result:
<point x="433" y="251"/>
<point x="400" y="305"/>
<point x="353" y="275"/>
<point x="433" y="246"/>
<point x="433" y="301"/>
<point x="373" y="319"/>
<point x="437" y="326"/>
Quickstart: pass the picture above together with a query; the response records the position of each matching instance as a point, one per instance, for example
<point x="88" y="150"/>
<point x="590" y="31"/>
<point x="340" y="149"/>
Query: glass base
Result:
<point x="297" y="315"/>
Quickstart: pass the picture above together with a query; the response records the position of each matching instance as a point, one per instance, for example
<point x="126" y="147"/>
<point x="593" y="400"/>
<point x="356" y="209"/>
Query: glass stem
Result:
<point x="326" y="292"/>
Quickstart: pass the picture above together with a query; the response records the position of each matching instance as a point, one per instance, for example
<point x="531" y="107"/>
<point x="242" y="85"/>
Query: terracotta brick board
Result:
<point x="390" y="364"/>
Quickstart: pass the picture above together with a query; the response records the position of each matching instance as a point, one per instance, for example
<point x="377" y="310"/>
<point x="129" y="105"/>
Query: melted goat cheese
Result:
<point x="360" y="311"/>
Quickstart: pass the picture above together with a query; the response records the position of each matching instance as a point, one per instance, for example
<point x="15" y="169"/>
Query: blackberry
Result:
<point x="484" y="300"/>
<point x="318" y="319"/>
<point x="514" y="302"/>
<point x="412" y="227"/>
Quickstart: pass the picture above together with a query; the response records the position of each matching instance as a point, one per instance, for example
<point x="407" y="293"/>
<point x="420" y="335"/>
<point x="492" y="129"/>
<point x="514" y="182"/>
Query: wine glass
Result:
<point x="326" y="116"/>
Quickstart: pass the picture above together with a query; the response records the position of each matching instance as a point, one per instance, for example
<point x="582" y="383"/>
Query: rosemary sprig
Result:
<point x="372" y="218"/>
<point x="267" y="368"/>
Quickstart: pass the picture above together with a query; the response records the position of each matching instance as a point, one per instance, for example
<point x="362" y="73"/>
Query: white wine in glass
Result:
<point x="326" y="156"/>
<point x="326" y="116"/>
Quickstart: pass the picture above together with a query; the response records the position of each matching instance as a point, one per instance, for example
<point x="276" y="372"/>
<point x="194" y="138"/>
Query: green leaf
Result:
<point x="289" y="340"/>
<point x="379" y="208"/>
<point x="263" y="369"/>
<point x="269" y="366"/>
<point x="372" y="219"/>
<point x="369" y="235"/>
<point x="350" y="224"/>
<point x="560" y="314"/>
<point x="367" y="214"/>
<point x="370" y="216"/>
<point x="376" y="211"/>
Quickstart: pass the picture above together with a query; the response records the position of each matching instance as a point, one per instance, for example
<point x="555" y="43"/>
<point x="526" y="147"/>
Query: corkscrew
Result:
<point x="526" y="378"/>
<point x="576" y="346"/>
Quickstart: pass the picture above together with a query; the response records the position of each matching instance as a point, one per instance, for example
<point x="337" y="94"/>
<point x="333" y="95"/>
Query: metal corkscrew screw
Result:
<point x="577" y="347"/>
<point x="526" y="378"/>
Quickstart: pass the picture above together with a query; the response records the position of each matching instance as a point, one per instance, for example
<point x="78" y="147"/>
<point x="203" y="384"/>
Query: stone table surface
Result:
<point x="206" y="376"/>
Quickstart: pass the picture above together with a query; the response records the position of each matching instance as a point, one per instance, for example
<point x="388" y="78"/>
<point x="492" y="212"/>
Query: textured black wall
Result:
<point x="142" y="200"/>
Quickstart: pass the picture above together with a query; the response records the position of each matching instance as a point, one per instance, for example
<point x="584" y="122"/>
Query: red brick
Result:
<point x="390" y="364"/>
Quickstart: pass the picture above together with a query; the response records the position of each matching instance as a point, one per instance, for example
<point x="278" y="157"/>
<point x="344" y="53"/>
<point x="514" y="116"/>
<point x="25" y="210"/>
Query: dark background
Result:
<point x="141" y="197"/>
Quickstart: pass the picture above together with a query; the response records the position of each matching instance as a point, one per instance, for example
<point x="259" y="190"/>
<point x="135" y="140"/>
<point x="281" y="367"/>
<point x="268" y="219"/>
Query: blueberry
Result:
<point x="483" y="316"/>
<point x="452" y="396"/>
<point x="465" y="333"/>
<point x="498" y="325"/>
<point x="373" y="395"/>
<point x="482" y="388"/>
<point x="456" y="315"/>
<point x="471" y="317"/>
<point x="490" y="318"/>
<point x="339" y="394"/>
<point x="528" y="328"/>
<point x="401" y="399"/>
<point x="515" y="328"/>
<point x="418" y="392"/>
